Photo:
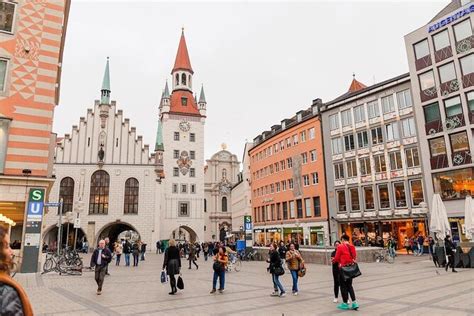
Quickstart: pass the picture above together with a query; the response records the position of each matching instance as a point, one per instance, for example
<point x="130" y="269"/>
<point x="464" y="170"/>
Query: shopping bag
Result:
<point x="163" y="276"/>
<point x="180" y="283"/>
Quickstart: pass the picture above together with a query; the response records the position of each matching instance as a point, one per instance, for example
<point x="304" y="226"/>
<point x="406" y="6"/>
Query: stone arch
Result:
<point x="114" y="229"/>
<point x="50" y="236"/>
<point x="184" y="233"/>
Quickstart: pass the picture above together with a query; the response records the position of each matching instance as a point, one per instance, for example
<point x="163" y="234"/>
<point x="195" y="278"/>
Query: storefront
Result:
<point x="293" y="234"/>
<point x="259" y="236"/>
<point x="374" y="233"/>
<point x="273" y="235"/>
<point x="316" y="236"/>
<point x="458" y="229"/>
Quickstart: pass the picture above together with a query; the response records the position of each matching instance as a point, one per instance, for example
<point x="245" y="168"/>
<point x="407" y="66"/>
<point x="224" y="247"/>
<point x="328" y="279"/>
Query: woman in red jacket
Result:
<point x="346" y="255"/>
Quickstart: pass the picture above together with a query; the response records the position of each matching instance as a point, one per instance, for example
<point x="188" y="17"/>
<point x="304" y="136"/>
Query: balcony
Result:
<point x="433" y="127"/>
<point x="461" y="158"/>
<point x="423" y="62"/>
<point x="443" y="54"/>
<point x="450" y="86"/>
<point x="439" y="161"/>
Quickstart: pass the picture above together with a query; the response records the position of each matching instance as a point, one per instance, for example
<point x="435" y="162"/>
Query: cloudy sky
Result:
<point x="260" y="62"/>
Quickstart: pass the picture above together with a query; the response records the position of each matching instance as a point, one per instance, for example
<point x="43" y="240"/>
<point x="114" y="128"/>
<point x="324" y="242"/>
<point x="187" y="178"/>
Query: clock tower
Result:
<point x="182" y="119"/>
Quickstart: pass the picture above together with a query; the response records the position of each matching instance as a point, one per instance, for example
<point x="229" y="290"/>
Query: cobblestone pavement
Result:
<point x="411" y="286"/>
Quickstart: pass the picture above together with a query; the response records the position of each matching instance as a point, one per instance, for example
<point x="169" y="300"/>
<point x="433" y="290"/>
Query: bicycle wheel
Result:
<point x="238" y="266"/>
<point x="48" y="265"/>
<point x="390" y="259"/>
<point x="378" y="258"/>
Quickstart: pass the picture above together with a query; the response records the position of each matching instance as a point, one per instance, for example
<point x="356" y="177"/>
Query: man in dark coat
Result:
<point x="100" y="259"/>
<point x="450" y="249"/>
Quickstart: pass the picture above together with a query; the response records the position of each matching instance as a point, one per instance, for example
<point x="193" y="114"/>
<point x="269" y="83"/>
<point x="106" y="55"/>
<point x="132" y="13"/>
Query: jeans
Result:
<point x="277" y="284"/>
<point x="99" y="276"/>
<point x="221" y="276"/>
<point x="127" y="259"/>
<point x="337" y="284"/>
<point x="294" y="276"/>
<point x="135" y="259"/>
<point x="117" y="261"/>
<point x="391" y="251"/>
<point x="143" y="256"/>
<point x="346" y="289"/>
<point x="420" y="248"/>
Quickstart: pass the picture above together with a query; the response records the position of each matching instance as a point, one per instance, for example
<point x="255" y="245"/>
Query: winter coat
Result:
<point x="172" y="261"/>
<point x="275" y="261"/>
<point x="293" y="260"/>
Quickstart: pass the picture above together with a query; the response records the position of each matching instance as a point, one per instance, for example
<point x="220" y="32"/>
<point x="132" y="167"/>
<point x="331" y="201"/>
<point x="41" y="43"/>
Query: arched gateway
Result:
<point x="118" y="230"/>
<point x="184" y="233"/>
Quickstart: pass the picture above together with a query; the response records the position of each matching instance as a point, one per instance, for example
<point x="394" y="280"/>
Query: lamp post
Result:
<point x="68" y="220"/>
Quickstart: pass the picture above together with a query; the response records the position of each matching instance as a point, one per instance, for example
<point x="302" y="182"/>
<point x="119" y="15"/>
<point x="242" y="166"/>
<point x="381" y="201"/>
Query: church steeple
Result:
<point x="182" y="71"/>
<point x="105" y="91"/>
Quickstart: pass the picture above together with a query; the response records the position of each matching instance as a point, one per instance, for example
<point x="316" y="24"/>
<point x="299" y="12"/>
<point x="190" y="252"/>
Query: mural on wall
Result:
<point x="184" y="162"/>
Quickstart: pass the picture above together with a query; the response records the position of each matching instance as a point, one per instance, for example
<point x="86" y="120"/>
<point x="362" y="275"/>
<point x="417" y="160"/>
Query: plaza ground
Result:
<point x="410" y="286"/>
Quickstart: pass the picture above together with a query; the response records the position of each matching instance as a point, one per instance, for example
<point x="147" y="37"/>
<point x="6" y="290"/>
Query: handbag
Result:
<point x="301" y="270"/>
<point x="180" y="283"/>
<point x="163" y="276"/>
<point x="352" y="270"/>
<point x="278" y="270"/>
<point x="217" y="267"/>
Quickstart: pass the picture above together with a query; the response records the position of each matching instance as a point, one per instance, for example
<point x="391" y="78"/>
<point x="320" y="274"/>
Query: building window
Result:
<point x="192" y="172"/>
<point x="339" y="171"/>
<point x="283" y="185"/>
<point x="175" y="188"/>
<point x="304" y="156"/>
<point x="470" y="103"/>
<point x="175" y="172"/>
<point x="437" y="147"/>
<point x="369" y="198"/>
<point x="456" y="184"/>
<point x="351" y="169"/>
<point x="302" y="137"/>
<point x="341" y="200"/>
<point x="277" y="186"/>
<point x="175" y="154"/>
<point x="288" y="142"/>
<point x="305" y="180"/>
<point x="66" y="192"/>
<point x="130" y="205"/>
<point x="284" y="207"/>
<point x="459" y="147"/>
<point x="184" y="100"/>
<point x="277" y="167"/>
<point x="392" y="131"/>
<point x="387" y="104"/>
<point x="377" y="137"/>
<point x="272" y="188"/>
<point x="192" y="154"/>
<point x="395" y="160"/>
<point x="224" y="204"/>
<point x="192" y="137"/>
<point x="292" y="209"/>
<point x="373" y="109"/>
<point x="467" y="65"/>
<point x="334" y="121"/>
<point x="365" y="166"/>
<point x="413" y="160"/>
<point x="384" y="196"/>
<point x="447" y="73"/>
<point x="313" y="155"/>
<point x="183" y="209"/>
<point x="355" y="204"/>
<point x="317" y="206"/>
<point x="289" y="162"/>
<point x="462" y="30"/>
<point x="7" y="14"/>
<point x="184" y="188"/>
<point x="307" y="207"/>
<point x="427" y="83"/>
<point x="346" y="117"/>
<point x="315" y="177"/>
<point x="416" y="192"/>
<point x="349" y="143"/>
<point x="441" y="40"/>
<point x="380" y="165"/>
<point x="453" y="109"/>
<point x="400" y="197"/>
<point x="99" y="193"/>
<point x="362" y="139"/>
<point x="290" y="184"/>
<point x="359" y="114"/>
<point x="282" y="145"/>
<point x="4" y="127"/>
<point x="421" y="49"/>
<point x="408" y="127"/>
<point x="432" y="118"/>
<point x="3" y="70"/>
<point x="295" y="139"/>
<point x="336" y="146"/>
<point x="176" y="136"/>
<point x="404" y="99"/>
<point x="312" y="133"/>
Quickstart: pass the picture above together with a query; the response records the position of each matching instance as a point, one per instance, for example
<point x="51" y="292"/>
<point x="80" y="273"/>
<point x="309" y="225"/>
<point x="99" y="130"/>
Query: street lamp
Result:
<point x="68" y="220"/>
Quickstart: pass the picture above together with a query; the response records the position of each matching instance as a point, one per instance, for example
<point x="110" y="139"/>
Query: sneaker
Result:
<point x="355" y="306"/>
<point x="334" y="300"/>
<point x="343" y="306"/>
<point x="275" y="293"/>
<point x="221" y="290"/>
<point x="295" y="293"/>
<point x="213" y="291"/>
<point x="283" y="294"/>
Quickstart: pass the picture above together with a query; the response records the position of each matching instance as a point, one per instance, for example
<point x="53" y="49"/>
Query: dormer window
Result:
<point x="184" y="101"/>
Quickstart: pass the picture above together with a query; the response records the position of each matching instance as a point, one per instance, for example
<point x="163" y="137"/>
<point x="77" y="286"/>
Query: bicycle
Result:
<point x="234" y="264"/>
<point x="384" y="256"/>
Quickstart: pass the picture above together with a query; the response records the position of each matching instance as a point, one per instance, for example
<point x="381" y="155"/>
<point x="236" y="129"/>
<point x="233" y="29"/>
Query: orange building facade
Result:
<point x="288" y="182"/>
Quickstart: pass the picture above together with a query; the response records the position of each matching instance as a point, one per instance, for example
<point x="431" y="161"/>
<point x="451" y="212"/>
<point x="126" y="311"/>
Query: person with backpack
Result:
<point x="276" y="270"/>
<point x="335" y="272"/>
<point x="295" y="262"/>
<point x="127" y="249"/>
<point x="136" y="253"/>
<point x="219" y="267"/>
<point x="345" y="256"/>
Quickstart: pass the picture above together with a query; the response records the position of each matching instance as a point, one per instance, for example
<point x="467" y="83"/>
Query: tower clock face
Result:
<point x="184" y="125"/>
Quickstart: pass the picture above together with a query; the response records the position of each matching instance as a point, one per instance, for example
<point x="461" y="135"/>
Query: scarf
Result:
<point x="27" y="308"/>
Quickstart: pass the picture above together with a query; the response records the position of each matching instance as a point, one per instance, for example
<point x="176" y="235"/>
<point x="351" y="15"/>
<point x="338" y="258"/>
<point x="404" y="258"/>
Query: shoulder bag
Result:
<point x="352" y="270"/>
<point x="180" y="283"/>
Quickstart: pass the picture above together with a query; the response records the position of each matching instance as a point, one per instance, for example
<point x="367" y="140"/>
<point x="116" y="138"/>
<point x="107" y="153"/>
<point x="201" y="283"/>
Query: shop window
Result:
<point x="334" y="121"/>
<point x="365" y="166"/>
<point x="380" y="165"/>
<point x="346" y="118"/>
<point x="416" y="192"/>
<point x="427" y="86"/>
<point x="66" y="192"/>
<point x="373" y="109"/>
<point x="99" y="193"/>
<point x="377" y="137"/>
<point x="408" y="127"/>
<point x="400" y="197"/>
<point x="292" y="209"/>
<point x="307" y="207"/>
<point x="439" y="158"/>
<point x="317" y="206"/>
<point x="433" y="122"/>
<point x="7" y="14"/>
<point x="362" y="139"/>
<point x="392" y="131"/>
<point x="395" y="160"/>
<point x="336" y="146"/>
<point x="130" y="204"/>
<point x="183" y="209"/>
<point x="284" y="207"/>
<point x="412" y="157"/>
<point x="359" y="114"/>
<point x="354" y="194"/>
<point x="369" y="198"/>
<point x="339" y="171"/>
<point x="351" y="168"/>
<point x="349" y="142"/>
<point x="3" y="71"/>
<point x="341" y="201"/>
<point x="456" y="184"/>
<point x="384" y="197"/>
<point x="460" y="148"/>
<point x="387" y="104"/>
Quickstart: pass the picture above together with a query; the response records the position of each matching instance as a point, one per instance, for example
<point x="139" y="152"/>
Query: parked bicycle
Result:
<point x="235" y="263"/>
<point x="384" y="256"/>
<point x="253" y="256"/>
<point x="68" y="263"/>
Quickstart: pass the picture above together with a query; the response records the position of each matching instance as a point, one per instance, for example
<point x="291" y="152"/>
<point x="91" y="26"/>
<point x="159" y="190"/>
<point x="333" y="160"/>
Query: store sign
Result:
<point x="450" y="19"/>
<point x="258" y="230"/>
<point x="316" y="229"/>
<point x="247" y="223"/>
<point x="293" y="230"/>
<point x="273" y="230"/>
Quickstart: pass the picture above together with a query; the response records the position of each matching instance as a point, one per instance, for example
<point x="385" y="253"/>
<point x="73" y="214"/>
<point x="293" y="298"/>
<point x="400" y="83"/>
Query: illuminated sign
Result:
<point x="450" y="19"/>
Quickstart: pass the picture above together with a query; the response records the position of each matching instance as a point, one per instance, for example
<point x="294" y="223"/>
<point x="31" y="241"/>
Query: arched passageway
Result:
<point x="118" y="231"/>
<point x="184" y="233"/>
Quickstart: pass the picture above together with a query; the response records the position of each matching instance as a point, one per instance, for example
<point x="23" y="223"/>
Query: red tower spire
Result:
<point x="356" y="85"/>
<point x="182" y="57"/>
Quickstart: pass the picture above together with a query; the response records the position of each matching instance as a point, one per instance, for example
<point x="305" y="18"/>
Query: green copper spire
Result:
<point x="159" y="138"/>
<point x="105" y="91"/>
<point x="166" y="93"/>
<point x="202" y="96"/>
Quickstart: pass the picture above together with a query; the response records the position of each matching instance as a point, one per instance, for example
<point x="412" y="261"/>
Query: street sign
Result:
<point x="52" y="204"/>
<point x="247" y="223"/>
<point x="77" y="222"/>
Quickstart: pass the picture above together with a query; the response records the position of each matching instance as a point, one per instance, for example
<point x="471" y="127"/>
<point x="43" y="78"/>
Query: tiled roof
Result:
<point x="177" y="104"/>
<point x="182" y="61"/>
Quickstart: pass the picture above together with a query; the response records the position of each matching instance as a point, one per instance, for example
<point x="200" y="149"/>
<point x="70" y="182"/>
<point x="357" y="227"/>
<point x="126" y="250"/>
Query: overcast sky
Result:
<point x="260" y="62"/>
